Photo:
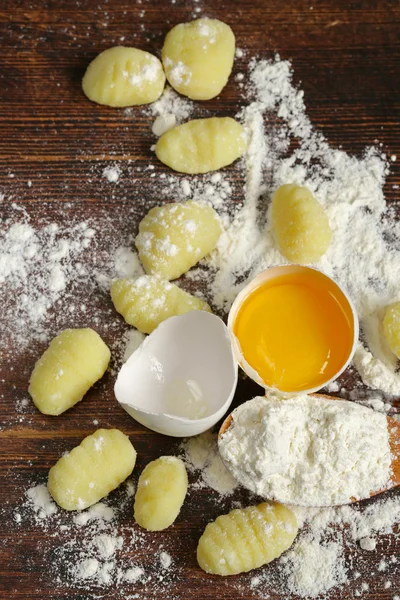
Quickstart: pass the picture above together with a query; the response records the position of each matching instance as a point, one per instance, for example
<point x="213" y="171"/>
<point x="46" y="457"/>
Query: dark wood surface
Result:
<point x="346" y="56"/>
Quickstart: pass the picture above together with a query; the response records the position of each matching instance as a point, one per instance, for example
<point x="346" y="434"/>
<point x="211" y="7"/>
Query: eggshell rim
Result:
<point x="224" y="407"/>
<point x="255" y="283"/>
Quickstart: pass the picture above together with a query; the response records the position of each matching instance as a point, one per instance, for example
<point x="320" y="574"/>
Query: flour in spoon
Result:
<point x="308" y="451"/>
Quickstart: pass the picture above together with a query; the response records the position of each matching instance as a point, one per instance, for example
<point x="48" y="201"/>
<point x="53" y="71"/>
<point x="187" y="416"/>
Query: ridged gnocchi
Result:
<point x="246" y="539"/>
<point x="74" y="361"/>
<point x="391" y="327"/>
<point x="174" y="237"/>
<point x="300" y="224"/>
<point x="122" y="76"/>
<point x="147" y="301"/>
<point x="160" y="493"/>
<point x="92" y="470"/>
<point x="202" y="145"/>
<point x="198" y="57"/>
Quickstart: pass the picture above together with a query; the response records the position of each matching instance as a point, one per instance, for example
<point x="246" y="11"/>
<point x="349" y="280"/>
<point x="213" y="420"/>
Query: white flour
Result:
<point x="36" y="266"/>
<point x="91" y="548"/>
<point x="171" y="103"/>
<point x="308" y="451"/>
<point x="44" y="267"/>
<point x="351" y="191"/>
<point x="201" y="456"/>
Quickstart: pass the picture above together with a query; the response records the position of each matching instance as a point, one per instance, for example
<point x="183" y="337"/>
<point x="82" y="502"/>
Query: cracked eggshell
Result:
<point x="191" y="347"/>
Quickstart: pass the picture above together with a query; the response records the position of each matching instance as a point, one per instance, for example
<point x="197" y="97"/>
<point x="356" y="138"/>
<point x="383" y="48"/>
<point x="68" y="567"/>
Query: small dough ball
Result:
<point x="246" y="539"/>
<point x="301" y="226"/>
<point x="202" y="145"/>
<point x="123" y="76"/>
<point x="160" y="493"/>
<point x="92" y="470"/>
<point x="198" y="57"/>
<point x="147" y="301"/>
<point x="391" y="327"/>
<point x="174" y="237"/>
<point x="73" y="362"/>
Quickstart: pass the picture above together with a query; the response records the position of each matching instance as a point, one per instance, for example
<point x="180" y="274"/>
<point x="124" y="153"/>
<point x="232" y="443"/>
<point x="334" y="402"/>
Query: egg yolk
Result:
<point x="296" y="330"/>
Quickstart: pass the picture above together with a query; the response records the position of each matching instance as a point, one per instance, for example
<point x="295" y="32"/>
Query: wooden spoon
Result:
<point x="394" y="442"/>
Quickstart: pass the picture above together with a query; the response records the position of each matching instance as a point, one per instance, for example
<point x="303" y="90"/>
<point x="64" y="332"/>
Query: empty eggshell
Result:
<point x="182" y="378"/>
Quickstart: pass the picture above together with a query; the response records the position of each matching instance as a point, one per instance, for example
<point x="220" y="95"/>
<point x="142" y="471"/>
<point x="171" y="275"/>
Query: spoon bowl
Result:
<point x="394" y="442"/>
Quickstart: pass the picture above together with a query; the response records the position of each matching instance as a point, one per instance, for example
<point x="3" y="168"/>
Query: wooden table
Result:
<point x="346" y="57"/>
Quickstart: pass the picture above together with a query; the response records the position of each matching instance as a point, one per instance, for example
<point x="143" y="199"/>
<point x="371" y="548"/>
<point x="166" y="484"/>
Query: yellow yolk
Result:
<point x="296" y="330"/>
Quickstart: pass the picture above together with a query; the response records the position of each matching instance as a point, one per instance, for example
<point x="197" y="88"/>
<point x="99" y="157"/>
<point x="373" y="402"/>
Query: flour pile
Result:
<point x="308" y="451"/>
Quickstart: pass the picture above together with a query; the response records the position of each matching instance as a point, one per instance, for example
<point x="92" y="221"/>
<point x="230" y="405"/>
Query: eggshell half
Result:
<point x="195" y="346"/>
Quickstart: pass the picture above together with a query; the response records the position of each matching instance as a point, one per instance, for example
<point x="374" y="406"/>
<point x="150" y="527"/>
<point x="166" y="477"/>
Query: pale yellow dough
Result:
<point x="160" y="493"/>
<point x="73" y="362"/>
<point x="147" y="301"/>
<point x="122" y="76"/>
<point x="202" y="145"/>
<point x="300" y="224"/>
<point x="92" y="470"/>
<point x="246" y="539"/>
<point x="174" y="237"/>
<point x="391" y="327"/>
<point x="198" y="57"/>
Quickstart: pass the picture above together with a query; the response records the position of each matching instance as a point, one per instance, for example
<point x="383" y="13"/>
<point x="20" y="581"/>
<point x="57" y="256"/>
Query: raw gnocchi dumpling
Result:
<point x="92" y="470"/>
<point x="122" y="76"/>
<point x="160" y="493"/>
<point x="202" y="145"/>
<point x="246" y="539"/>
<point x="198" y="57"/>
<point x="391" y="327"/>
<point x="74" y="361"/>
<point x="300" y="224"/>
<point x="147" y="301"/>
<point x="174" y="237"/>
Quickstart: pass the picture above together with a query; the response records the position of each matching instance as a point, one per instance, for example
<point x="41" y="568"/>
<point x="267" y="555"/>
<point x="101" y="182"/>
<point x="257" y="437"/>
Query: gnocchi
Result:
<point x="300" y="224"/>
<point x="74" y="361"/>
<point x="174" y="237"/>
<point x="202" y="145"/>
<point x="92" y="470"/>
<point x="198" y="57"/>
<point x="122" y="76"/>
<point x="149" y="300"/>
<point x="160" y="493"/>
<point x="391" y="327"/>
<point x="246" y="539"/>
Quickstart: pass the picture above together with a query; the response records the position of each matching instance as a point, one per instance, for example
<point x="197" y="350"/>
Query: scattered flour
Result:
<point x="112" y="174"/>
<point x="171" y="103"/>
<point x="36" y="266"/>
<point x="201" y="455"/>
<point x="350" y="190"/>
<point x="93" y="549"/>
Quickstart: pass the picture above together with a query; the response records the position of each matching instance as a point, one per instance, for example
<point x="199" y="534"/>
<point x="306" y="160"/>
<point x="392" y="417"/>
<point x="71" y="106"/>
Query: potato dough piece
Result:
<point x="160" y="493"/>
<point x="174" y="237"/>
<point x="92" y="470"/>
<point x="149" y="300"/>
<point x="391" y="327"/>
<point x="73" y="362"/>
<point x="301" y="226"/>
<point x="198" y="57"/>
<point x="246" y="539"/>
<point x="123" y="76"/>
<point x="202" y="145"/>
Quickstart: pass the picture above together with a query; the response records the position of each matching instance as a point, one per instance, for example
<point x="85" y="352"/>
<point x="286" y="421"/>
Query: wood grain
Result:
<point x="346" y="57"/>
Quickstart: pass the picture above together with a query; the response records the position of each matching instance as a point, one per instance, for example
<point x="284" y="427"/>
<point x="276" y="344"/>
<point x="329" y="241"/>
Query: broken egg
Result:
<point x="294" y="329"/>
<point x="182" y="378"/>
